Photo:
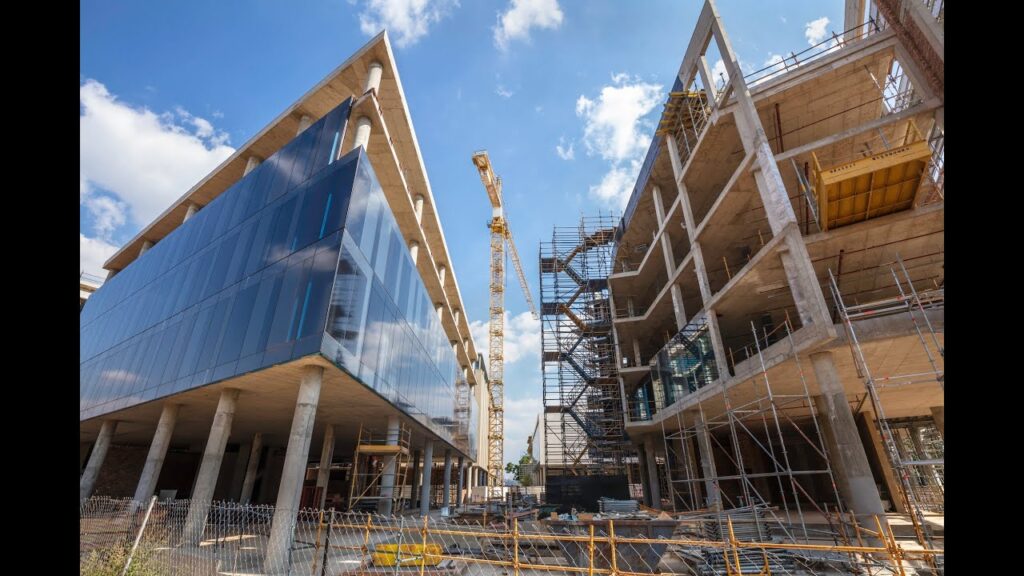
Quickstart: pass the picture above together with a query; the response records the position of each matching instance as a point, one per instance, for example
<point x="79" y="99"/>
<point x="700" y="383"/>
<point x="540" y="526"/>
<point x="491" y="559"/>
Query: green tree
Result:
<point x="520" y="471"/>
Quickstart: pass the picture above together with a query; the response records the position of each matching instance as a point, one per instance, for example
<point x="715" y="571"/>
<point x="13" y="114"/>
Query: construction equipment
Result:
<point x="501" y="235"/>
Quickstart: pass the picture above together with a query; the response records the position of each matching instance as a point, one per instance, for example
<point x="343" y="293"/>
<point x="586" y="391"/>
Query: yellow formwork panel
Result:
<point x="869" y="187"/>
<point x="407" y="555"/>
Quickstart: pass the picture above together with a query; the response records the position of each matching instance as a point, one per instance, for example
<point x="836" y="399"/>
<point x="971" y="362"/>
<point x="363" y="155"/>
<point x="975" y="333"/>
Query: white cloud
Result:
<point x="522" y="336"/>
<point x="719" y="74"/>
<point x="92" y="253"/>
<point x="407" y="21"/>
<point x="773" y="59"/>
<point x="143" y="160"/>
<point x="614" y="125"/>
<point x="520" y="418"/>
<point x="565" y="153"/>
<point x="617" y="184"/>
<point x="503" y="92"/>
<point x="108" y="213"/>
<point x="815" y="30"/>
<point x="515" y="23"/>
<point x="617" y="129"/>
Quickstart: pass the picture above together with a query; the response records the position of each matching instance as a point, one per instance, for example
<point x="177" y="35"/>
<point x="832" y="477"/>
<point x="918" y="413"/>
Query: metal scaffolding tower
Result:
<point x="584" y="429"/>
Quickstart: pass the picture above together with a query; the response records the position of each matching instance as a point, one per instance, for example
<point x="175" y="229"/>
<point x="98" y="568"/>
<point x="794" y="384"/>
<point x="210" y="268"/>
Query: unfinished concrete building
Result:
<point x="777" y="289"/>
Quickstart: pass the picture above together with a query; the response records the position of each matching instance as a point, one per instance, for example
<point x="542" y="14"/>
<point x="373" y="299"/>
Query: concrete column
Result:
<point x="845" y="446"/>
<point x="190" y="212"/>
<point x="870" y="425"/>
<point x="629" y="306"/>
<point x="238" y="474"/>
<point x="668" y="254"/>
<point x="461" y="483"/>
<point x="146" y="245"/>
<point x="636" y="352"/>
<point x="645" y="486"/>
<point x="362" y="137"/>
<point x="652" y="472"/>
<point x="853" y="16"/>
<point x="323" y="475"/>
<point x="294" y="471"/>
<point x="446" y="491"/>
<point x="414" y="488"/>
<point x="442" y="273"/>
<point x="417" y="203"/>
<point x="659" y="206"/>
<point x="414" y="251"/>
<point x="157" y="453"/>
<point x="939" y="416"/>
<point x="428" y="468"/>
<point x="458" y="316"/>
<point x="250" y="469"/>
<point x="373" y="74"/>
<point x="83" y="454"/>
<point x="677" y="306"/>
<point x="304" y="123"/>
<point x="707" y="464"/>
<point x="439" y="308"/>
<point x="693" y="471"/>
<point x="87" y="482"/>
<point x="209" y="469"/>
<point x="250" y="164"/>
<point x="387" y="479"/>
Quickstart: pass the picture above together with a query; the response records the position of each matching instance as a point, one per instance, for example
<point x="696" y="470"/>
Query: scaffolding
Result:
<point x="584" y="426"/>
<point x="379" y="470"/>
<point x="914" y="446"/>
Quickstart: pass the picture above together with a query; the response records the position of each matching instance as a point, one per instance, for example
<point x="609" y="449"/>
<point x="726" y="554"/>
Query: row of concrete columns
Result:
<point x="292" y="476"/>
<point x="848" y="458"/>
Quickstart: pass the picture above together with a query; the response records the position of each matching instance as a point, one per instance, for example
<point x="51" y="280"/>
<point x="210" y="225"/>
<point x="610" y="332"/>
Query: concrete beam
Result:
<point x="87" y="483"/>
<point x="294" y="472"/>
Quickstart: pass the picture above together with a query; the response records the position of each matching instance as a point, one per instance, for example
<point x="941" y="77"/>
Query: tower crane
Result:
<point x="501" y="236"/>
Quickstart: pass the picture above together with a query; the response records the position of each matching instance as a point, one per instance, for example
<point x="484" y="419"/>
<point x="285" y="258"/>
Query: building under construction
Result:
<point x="763" y="329"/>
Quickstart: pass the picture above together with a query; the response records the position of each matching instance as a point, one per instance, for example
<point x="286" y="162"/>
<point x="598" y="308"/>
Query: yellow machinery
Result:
<point x="869" y="187"/>
<point x="500" y="235"/>
<point x="406" y="555"/>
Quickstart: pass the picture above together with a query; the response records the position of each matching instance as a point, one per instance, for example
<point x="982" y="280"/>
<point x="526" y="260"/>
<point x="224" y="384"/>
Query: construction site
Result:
<point x="742" y="372"/>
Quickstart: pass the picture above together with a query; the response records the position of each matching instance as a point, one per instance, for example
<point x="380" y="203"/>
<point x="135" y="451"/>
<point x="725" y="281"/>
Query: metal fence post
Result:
<point x="138" y="536"/>
<point x="327" y="543"/>
<point x="590" y="552"/>
<point x="423" y="552"/>
<point x="515" y="546"/>
<point x="611" y="544"/>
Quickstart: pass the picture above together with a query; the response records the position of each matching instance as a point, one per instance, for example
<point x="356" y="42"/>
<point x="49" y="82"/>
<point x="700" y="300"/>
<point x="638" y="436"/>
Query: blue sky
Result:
<point x="563" y="94"/>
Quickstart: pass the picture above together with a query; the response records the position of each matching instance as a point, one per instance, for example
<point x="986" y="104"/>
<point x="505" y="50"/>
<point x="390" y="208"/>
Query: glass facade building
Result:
<point x="301" y="256"/>
<point x="684" y="365"/>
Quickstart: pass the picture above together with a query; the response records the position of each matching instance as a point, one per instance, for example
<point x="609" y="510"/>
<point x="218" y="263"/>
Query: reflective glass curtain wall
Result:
<point x="302" y="245"/>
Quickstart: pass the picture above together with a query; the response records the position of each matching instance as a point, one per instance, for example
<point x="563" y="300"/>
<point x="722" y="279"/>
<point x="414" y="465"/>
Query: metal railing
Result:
<point x="235" y="541"/>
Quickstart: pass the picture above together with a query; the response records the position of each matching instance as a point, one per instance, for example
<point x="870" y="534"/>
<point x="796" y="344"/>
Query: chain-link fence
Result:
<point x="236" y="540"/>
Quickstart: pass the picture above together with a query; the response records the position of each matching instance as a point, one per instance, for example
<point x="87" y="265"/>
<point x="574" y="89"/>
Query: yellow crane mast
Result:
<point x="500" y="236"/>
